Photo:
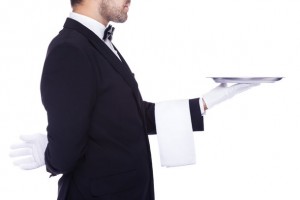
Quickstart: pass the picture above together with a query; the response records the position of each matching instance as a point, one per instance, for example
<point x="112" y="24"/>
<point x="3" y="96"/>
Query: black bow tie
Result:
<point x="108" y="33"/>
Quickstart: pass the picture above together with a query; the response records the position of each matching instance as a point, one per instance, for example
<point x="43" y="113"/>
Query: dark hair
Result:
<point x="74" y="2"/>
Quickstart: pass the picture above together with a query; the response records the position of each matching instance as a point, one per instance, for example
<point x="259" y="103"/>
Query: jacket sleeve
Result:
<point x="195" y="113"/>
<point x="68" y="92"/>
<point x="175" y="123"/>
<point x="149" y="117"/>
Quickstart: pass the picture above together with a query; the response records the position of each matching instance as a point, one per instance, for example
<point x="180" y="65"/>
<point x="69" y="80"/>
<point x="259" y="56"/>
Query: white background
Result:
<point x="250" y="147"/>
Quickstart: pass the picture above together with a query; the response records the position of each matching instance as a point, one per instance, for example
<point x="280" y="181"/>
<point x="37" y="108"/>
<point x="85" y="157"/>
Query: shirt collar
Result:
<point x="90" y="23"/>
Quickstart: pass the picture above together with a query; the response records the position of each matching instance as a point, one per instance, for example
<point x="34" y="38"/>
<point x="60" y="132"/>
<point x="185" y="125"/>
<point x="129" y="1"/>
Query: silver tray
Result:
<point x="245" y="79"/>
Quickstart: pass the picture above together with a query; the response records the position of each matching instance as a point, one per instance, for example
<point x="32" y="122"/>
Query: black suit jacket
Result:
<point x="97" y="120"/>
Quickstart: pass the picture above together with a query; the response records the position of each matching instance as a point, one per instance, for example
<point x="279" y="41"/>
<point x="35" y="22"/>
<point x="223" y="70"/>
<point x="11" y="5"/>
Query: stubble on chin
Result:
<point x="112" y="12"/>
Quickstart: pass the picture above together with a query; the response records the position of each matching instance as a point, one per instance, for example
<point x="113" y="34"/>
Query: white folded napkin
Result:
<point x="175" y="133"/>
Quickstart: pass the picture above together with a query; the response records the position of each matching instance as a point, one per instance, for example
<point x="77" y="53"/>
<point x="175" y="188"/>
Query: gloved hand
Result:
<point x="223" y="92"/>
<point x="30" y="153"/>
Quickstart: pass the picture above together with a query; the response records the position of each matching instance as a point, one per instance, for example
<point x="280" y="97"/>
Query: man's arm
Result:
<point x="195" y="113"/>
<point x="68" y="95"/>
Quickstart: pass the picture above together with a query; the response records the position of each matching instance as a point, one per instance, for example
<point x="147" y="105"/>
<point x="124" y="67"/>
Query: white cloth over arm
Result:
<point x="175" y="133"/>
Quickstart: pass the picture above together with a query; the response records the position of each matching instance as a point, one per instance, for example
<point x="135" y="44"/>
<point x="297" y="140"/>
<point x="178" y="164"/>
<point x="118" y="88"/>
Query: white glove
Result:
<point x="222" y="93"/>
<point x="30" y="153"/>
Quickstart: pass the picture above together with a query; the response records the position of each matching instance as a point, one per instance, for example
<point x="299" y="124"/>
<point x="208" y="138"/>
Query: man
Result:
<point x="97" y="120"/>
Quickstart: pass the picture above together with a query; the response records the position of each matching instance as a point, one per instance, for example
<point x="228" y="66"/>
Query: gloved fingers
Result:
<point x="24" y="161"/>
<point x="30" y="137"/>
<point x="21" y="146"/>
<point x="240" y="87"/>
<point x="29" y="166"/>
<point x="255" y="84"/>
<point x="223" y="85"/>
<point x="20" y="152"/>
<point x="245" y="85"/>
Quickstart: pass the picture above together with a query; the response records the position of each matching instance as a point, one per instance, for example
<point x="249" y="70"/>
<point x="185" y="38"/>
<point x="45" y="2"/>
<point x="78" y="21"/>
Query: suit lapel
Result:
<point x="121" y="67"/>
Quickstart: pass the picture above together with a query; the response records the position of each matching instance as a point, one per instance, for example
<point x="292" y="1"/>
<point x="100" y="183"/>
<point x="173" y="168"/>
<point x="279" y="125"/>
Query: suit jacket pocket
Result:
<point x="114" y="183"/>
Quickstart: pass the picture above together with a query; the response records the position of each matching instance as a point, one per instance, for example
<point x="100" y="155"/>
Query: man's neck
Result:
<point x="86" y="11"/>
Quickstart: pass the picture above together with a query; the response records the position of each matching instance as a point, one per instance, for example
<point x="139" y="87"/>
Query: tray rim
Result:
<point x="245" y="79"/>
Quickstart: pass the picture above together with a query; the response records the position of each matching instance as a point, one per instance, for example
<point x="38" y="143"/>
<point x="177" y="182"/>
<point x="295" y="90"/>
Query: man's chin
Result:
<point x="121" y="20"/>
